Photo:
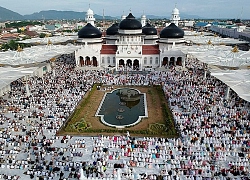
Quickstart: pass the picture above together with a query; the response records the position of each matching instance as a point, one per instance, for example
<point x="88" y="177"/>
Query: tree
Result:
<point x="42" y="35"/>
<point x="13" y="45"/>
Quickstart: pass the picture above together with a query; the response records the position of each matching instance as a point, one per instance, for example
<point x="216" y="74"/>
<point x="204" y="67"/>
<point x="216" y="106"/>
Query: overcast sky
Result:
<point x="203" y="8"/>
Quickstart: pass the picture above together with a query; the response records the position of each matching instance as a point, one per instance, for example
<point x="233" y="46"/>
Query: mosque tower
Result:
<point x="90" y="17"/>
<point x="175" y="16"/>
<point x="123" y="16"/>
<point x="143" y="20"/>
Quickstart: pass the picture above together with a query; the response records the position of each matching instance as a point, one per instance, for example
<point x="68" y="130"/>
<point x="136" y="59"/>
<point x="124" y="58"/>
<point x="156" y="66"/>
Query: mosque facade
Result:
<point x="130" y="44"/>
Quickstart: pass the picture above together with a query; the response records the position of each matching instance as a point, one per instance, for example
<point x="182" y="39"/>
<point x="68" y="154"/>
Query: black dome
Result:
<point x="149" y="30"/>
<point x="130" y="23"/>
<point x="112" y="30"/>
<point x="89" y="31"/>
<point x="172" y="31"/>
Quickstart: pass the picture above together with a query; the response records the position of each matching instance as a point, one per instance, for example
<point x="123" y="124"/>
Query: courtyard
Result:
<point x="158" y="123"/>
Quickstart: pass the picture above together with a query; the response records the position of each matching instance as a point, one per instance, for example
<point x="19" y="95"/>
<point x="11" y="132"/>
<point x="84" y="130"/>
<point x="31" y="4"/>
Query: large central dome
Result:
<point x="172" y="31"/>
<point x="89" y="31"/>
<point x="130" y="23"/>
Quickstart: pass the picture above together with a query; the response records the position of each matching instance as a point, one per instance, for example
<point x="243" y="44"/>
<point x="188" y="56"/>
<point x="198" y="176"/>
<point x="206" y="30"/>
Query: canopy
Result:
<point x="203" y="38"/>
<point x="10" y="74"/>
<point x="238" y="80"/>
<point x="219" y="55"/>
<point x="53" y="40"/>
<point x="35" y="54"/>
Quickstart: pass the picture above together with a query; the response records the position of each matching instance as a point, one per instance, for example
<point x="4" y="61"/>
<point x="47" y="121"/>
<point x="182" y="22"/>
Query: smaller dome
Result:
<point x="149" y="30"/>
<point x="130" y="23"/>
<point x="89" y="11"/>
<point x="89" y="31"/>
<point x="175" y="11"/>
<point x="123" y="17"/>
<point x="143" y="16"/>
<point x="112" y="30"/>
<point x="172" y="31"/>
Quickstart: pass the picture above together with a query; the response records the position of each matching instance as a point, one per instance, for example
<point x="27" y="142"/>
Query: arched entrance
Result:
<point x="121" y="62"/>
<point x="81" y="61"/>
<point x="87" y="61"/>
<point x="136" y="64"/>
<point x="171" y="62"/>
<point x="94" y="60"/>
<point x="129" y="63"/>
<point x="165" y="61"/>
<point x="179" y="61"/>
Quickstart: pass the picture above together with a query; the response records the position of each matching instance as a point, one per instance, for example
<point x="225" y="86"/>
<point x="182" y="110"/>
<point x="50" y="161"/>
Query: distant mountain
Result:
<point x="6" y="14"/>
<point x="188" y="16"/>
<point x="54" y="14"/>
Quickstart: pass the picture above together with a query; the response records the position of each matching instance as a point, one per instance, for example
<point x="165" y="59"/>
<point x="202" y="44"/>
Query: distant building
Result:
<point x="31" y="34"/>
<point x="234" y="31"/>
<point x="175" y="18"/>
<point x="2" y="25"/>
<point x="90" y="17"/>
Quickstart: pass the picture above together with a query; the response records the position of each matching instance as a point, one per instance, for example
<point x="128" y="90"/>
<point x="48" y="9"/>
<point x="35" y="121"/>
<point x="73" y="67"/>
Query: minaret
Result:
<point x="175" y="16"/>
<point x="143" y="20"/>
<point x="90" y="17"/>
<point x="123" y="16"/>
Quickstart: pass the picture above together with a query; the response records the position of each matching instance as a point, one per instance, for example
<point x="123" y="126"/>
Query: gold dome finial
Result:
<point x="215" y="35"/>
<point x="53" y="59"/>
<point x="209" y="42"/>
<point x="235" y="49"/>
<point x="19" y="49"/>
<point x="49" y="42"/>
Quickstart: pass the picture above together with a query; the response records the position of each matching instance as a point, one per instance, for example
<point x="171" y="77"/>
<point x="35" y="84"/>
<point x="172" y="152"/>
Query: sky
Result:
<point x="204" y="8"/>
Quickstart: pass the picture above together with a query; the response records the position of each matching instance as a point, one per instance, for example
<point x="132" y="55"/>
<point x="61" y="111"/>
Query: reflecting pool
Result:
<point x="123" y="107"/>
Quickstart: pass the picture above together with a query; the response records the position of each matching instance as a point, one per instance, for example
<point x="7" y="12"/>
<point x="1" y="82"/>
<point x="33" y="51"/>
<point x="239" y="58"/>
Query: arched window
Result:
<point x="113" y="60"/>
<point x="151" y="60"/>
<point x="103" y="60"/>
<point x="108" y="60"/>
<point x="145" y="60"/>
<point x="156" y="60"/>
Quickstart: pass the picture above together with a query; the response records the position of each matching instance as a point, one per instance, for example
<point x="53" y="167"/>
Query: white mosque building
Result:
<point x="130" y="44"/>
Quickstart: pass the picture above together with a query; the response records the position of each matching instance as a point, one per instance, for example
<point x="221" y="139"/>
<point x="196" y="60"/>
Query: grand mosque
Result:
<point x="130" y="44"/>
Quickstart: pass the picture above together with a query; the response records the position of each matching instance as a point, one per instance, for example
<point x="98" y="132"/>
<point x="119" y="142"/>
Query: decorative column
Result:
<point x="54" y="72"/>
<point x="227" y="92"/>
<point x="205" y="70"/>
<point x="205" y="74"/>
<point x="27" y="89"/>
<point x="183" y="62"/>
<point x="27" y="86"/>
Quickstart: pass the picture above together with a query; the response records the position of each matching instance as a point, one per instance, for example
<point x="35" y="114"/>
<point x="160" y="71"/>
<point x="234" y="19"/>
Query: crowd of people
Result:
<point x="214" y="140"/>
